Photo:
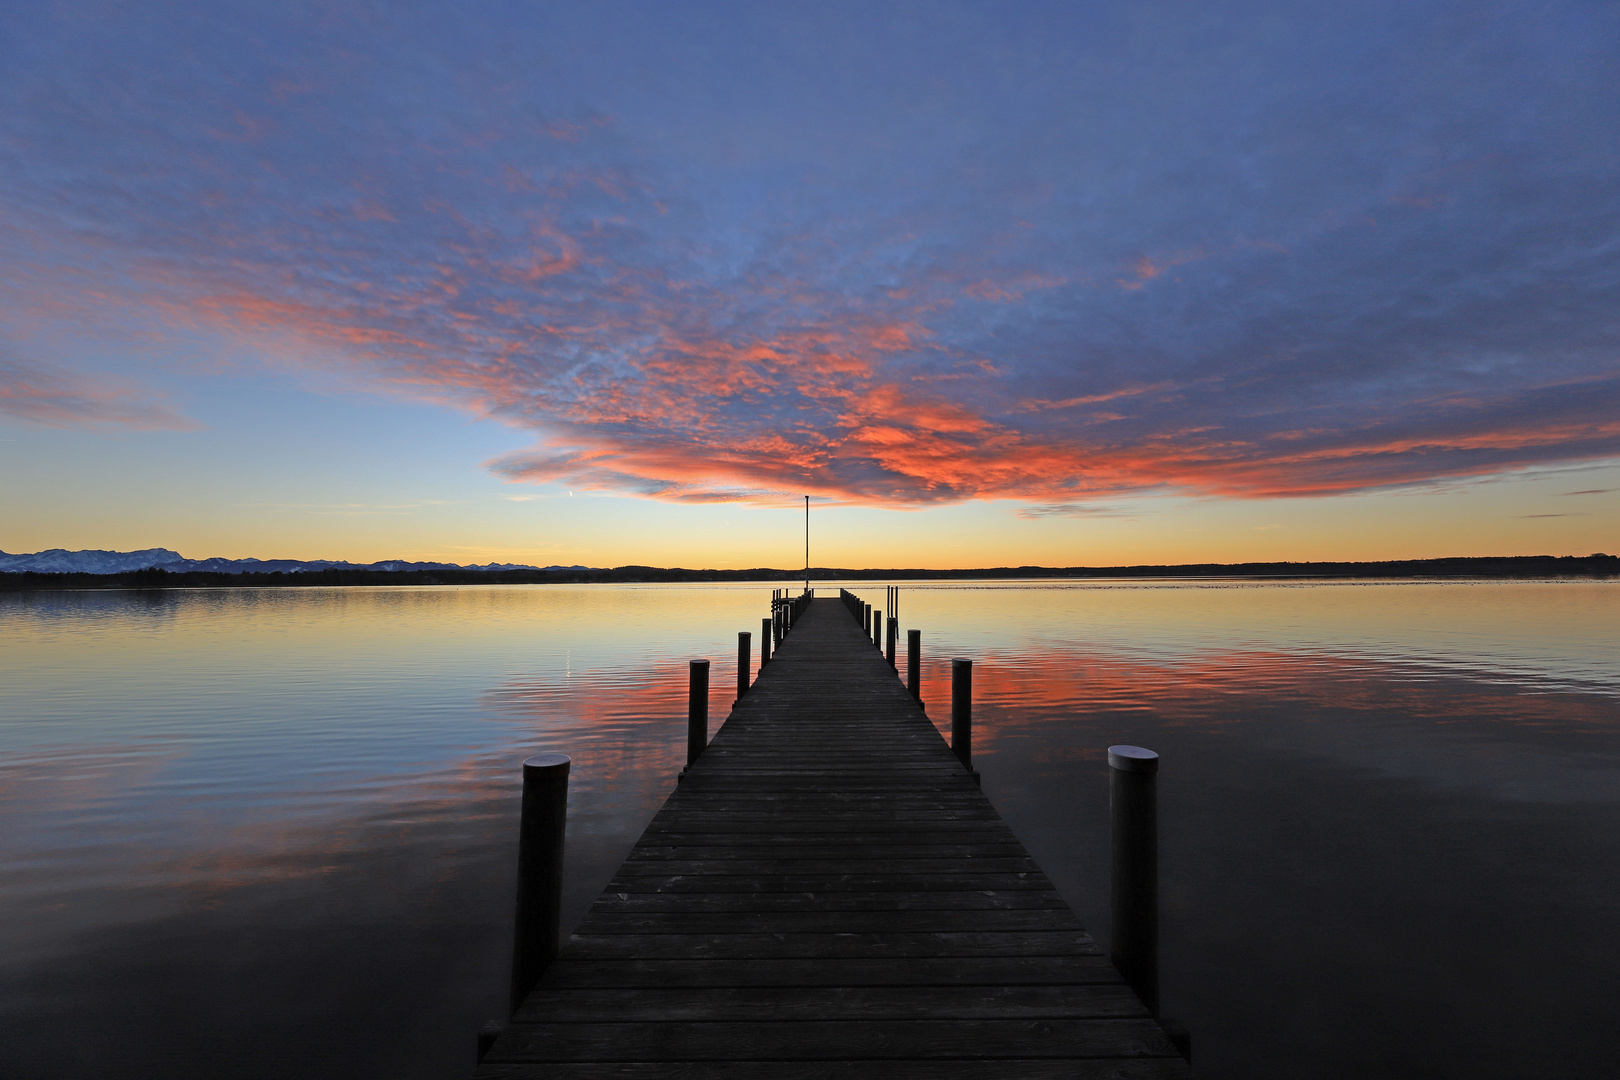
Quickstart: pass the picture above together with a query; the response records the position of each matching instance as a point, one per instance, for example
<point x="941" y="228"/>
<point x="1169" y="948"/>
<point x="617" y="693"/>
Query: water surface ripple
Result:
<point x="270" y="832"/>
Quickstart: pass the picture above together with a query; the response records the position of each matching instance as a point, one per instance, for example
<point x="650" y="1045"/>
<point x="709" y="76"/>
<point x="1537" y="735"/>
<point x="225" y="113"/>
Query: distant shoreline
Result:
<point x="1518" y="566"/>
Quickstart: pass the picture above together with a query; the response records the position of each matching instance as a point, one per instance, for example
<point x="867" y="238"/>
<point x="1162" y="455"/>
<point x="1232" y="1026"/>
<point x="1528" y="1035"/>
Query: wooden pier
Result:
<point x="829" y="894"/>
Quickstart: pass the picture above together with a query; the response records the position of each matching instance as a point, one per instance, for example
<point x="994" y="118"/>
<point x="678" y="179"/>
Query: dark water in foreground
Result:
<point x="269" y="833"/>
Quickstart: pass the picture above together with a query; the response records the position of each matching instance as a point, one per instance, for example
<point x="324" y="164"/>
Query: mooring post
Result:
<point x="764" y="642"/>
<point x="877" y="628"/>
<point x="894" y="628"/>
<point x="697" y="709"/>
<point x="962" y="711"/>
<point x="1132" y="805"/>
<point x="745" y="660"/>
<point x="914" y="663"/>
<point x="535" y="932"/>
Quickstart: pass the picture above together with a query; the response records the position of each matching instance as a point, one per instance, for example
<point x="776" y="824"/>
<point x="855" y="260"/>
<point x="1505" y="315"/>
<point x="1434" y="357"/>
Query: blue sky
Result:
<point x="993" y="283"/>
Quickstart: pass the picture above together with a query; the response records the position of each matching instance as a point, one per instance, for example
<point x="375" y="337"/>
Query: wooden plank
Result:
<point x="837" y="1039"/>
<point x="834" y="945"/>
<point x="847" y="864"/>
<point x="569" y="971"/>
<point x="935" y="1069"/>
<point x="662" y="1004"/>
<point x="986" y="900"/>
<point x="871" y="882"/>
<point x="785" y="836"/>
<point x="706" y="921"/>
<point x="701" y="847"/>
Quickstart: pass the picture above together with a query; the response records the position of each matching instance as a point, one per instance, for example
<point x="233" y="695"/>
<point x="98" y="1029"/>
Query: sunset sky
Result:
<point x="993" y="283"/>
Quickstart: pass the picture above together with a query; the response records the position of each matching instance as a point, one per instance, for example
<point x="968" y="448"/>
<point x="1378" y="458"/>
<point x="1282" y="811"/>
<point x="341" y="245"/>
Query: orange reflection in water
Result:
<point x="1023" y="694"/>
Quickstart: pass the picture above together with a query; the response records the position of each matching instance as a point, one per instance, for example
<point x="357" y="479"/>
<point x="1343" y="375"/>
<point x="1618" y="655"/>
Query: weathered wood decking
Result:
<point x="828" y="894"/>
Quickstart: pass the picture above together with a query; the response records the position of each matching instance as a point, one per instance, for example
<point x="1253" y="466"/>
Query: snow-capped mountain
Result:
<point x="60" y="561"/>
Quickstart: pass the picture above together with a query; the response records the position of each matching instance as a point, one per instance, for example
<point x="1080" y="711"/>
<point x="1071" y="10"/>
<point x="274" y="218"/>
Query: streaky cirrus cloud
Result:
<point x="61" y="398"/>
<point x="889" y="255"/>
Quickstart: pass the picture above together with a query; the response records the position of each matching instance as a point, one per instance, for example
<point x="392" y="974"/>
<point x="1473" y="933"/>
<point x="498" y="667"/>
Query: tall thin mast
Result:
<point x="807" y="543"/>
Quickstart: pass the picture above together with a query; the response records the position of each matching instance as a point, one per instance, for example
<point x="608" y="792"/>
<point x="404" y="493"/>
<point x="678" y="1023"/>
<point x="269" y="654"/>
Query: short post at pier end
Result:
<point x="697" y="709"/>
<point x="962" y="713"/>
<point x="914" y="663"/>
<point x="542" y="823"/>
<point x="1134" y="881"/>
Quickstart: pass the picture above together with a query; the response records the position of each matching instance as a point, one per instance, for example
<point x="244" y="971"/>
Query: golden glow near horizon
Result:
<point x="1556" y="512"/>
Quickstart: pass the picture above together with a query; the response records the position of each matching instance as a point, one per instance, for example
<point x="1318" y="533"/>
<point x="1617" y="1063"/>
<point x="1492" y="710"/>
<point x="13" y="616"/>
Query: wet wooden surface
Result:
<point x="828" y="894"/>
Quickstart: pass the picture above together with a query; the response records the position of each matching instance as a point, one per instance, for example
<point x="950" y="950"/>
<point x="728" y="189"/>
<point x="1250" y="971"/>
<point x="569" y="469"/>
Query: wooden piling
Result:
<point x="697" y="709"/>
<point x="542" y="823"/>
<point x="1134" y="884"/>
<point x="914" y="663"/>
<point x="745" y="661"/>
<point x="962" y="711"/>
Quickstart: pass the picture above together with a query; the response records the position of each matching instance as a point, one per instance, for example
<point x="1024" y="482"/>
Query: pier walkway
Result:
<point x="828" y="894"/>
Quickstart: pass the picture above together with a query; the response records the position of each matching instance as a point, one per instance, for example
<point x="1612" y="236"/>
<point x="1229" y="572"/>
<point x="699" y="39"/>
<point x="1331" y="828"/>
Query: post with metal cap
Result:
<point x="535" y="932"/>
<point x="697" y="710"/>
<point x="894" y="628"/>
<point x="962" y="711"/>
<point x="1132" y="804"/>
<point x="914" y="663"/>
<point x="764" y="642"/>
<point x="745" y="660"/>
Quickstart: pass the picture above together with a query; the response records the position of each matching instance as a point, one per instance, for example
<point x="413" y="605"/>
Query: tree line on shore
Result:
<point x="1513" y="566"/>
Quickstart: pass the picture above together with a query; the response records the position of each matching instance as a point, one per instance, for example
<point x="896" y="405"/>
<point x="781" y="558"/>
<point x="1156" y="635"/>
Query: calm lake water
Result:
<point x="271" y="832"/>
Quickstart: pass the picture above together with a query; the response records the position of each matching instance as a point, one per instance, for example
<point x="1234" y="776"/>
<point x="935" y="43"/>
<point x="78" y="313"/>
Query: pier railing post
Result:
<point x="745" y="661"/>
<point x="914" y="663"/>
<point x="1133" y="812"/>
<point x="764" y="642"/>
<point x="877" y="628"/>
<point x="697" y="709"/>
<point x="535" y="932"/>
<point x="894" y="628"/>
<point x="962" y="711"/>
